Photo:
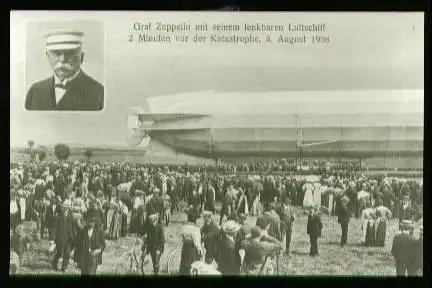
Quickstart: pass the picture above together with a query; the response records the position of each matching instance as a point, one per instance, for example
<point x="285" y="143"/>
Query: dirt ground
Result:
<point x="353" y="259"/>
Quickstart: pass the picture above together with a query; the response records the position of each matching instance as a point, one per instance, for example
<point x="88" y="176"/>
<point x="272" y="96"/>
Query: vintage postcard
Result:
<point x="216" y="143"/>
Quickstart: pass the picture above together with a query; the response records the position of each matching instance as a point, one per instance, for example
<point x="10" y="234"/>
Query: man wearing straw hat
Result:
<point x="69" y="88"/>
<point x="406" y="250"/>
<point x="228" y="258"/>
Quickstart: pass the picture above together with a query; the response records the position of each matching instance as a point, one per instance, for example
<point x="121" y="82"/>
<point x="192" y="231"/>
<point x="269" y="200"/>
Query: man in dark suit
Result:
<point x="228" y="253"/>
<point x="90" y="244"/>
<point x="209" y="234"/>
<point x="50" y="213"/>
<point x="407" y="250"/>
<point x="69" y="88"/>
<point x="63" y="235"/>
<point x="287" y="220"/>
<point x="343" y="214"/>
<point x="155" y="205"/>
<point x="228" y="204"/>
<point x="155" y="241"/>
<point x="314" y="227"/>
<point x="253" y="191"/>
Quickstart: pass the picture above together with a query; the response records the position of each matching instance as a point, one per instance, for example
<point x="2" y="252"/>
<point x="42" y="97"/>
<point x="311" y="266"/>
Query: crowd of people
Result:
<point x="80" y="204"/>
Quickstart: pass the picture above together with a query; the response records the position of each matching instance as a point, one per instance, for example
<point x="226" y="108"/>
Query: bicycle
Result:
<point x="173" y="263"/>
<point x="134" y="258"/>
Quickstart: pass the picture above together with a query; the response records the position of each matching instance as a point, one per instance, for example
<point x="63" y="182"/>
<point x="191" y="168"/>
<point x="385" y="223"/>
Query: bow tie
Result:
<point x="62" y="86"/>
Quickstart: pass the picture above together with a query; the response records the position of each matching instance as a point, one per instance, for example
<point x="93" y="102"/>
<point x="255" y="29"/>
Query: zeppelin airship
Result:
<point x="218" y="125"/>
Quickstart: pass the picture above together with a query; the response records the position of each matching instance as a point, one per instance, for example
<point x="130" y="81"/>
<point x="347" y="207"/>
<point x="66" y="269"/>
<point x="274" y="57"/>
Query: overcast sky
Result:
<point x="367" y="51"/>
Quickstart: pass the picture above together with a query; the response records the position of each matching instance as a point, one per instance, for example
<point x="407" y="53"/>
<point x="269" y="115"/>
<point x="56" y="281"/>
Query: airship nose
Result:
<point x="135" y="127"/>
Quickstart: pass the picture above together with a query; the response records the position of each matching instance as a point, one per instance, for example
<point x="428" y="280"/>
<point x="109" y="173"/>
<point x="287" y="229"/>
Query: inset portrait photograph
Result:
<point x="65" y="66"/>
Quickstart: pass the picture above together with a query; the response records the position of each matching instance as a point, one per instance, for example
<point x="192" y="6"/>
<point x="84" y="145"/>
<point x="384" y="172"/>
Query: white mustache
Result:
<point x="66" y="66"/>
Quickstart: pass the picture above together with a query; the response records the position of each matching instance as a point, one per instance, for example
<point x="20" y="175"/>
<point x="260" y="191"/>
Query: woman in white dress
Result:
<point x="317" y="194"/>
<point x="308" y="199"/>
<point x="15" y="217"/>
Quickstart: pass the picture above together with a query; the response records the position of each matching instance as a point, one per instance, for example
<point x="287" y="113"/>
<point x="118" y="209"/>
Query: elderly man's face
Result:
<point x="65" y="63"/>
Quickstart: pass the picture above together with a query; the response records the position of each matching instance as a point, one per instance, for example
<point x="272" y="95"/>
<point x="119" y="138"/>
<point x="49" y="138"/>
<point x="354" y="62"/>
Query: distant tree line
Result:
<point x="61" y="151"/>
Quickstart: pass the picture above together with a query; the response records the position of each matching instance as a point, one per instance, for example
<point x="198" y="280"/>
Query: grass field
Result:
<point x="353" y="259"/>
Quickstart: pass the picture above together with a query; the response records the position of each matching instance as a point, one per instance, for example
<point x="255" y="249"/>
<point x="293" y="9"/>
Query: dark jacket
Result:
<point x="314" y="225"/>
<point x="60" y="185"/>
<point x="83" y="94"/>
<point x="408" y="250"/>
<point x="228" y="258"/>
<point x="155" y="238"/>
<point x="275" y="225"/>
<point x="155" y="205"/>
<point x="287" y="217"/>
<point x="342" y="211"/>
<point x="406" y="214"/>
<point x="254" y="189"/>
<point x="64" y="230"/>
<point x="84" y="243"/>
<point x="50" y="217"/>
<point x="209" y="236"/>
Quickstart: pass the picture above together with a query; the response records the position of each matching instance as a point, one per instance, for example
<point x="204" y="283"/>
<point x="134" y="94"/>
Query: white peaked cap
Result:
<point x="64" y="39"/>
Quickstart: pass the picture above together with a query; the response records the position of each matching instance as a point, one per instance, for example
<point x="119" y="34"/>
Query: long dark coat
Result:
<point x="408" y="250"/>
<point x="210" y="196"/>
<point x="342" y="211"/>
<point x="84" y="243"/>
<point x="314" y="225"/>
<point x="50" y="217"/>
<point x="155" y="205"/>
<point x="64" y="230"/>
<point x="60" y="184"/>
<point x="286" y="216"/>
<point x="155" y="238"/>
<point x="228" y="258"/>
<point x="209" y="236"/>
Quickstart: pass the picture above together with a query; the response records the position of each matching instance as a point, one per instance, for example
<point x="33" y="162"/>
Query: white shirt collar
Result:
<point x="67" y="80"/>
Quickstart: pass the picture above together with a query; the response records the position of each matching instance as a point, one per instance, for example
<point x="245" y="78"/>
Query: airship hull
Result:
<point x="227" y="125"/>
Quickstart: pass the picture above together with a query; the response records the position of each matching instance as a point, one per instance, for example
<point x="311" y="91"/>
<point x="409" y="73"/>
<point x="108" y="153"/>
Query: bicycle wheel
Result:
<point x="173" y="263"/>
<point x="123" y="265"/>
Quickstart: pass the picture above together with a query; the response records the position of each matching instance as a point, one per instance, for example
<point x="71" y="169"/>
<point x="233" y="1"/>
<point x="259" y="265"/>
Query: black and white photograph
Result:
<point x="266" y="144"/>
<point x="65" y="66"/>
